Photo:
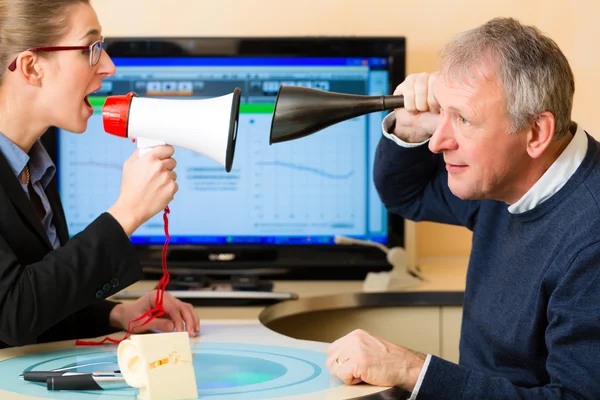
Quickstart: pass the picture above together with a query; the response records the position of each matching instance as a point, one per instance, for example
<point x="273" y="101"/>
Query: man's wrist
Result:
<point x="411" y="135"/>
<point x="415" y="392"/>
<point x="402" y="135"/>
<point x="413" y="368"/>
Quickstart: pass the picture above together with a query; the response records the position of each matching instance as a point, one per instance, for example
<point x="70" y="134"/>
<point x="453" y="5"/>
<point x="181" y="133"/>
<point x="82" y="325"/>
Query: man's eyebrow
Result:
<point x="460" y="109"/>
<point x="453" y="108"/>
<point x="91" y="32"/>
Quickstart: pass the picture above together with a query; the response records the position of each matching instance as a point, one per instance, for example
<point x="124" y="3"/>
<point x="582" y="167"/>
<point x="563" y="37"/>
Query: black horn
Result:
<point x="301" y="111"/>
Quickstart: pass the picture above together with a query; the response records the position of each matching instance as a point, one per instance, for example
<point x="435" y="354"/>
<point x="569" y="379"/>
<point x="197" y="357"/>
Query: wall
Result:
<point x="427" y="25"/>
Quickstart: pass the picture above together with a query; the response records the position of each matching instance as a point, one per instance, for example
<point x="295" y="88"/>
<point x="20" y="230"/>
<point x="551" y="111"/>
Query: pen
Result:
<point x="41" y="376"/>
<point x="86" y="381"/>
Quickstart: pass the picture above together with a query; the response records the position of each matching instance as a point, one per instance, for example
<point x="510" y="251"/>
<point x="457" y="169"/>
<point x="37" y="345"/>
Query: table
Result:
<point x="233" y="331"/>
<point x="231" y="359"/>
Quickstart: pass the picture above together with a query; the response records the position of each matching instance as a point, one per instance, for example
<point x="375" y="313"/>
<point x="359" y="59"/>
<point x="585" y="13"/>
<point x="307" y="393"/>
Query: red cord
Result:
<point x="157" y="310"/>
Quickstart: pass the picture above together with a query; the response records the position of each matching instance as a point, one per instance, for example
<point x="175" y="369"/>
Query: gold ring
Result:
<point x="337" y="360"/>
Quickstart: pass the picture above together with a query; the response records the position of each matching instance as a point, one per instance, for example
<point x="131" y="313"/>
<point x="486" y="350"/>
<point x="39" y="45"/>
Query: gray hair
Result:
<point x="529" y="66"/>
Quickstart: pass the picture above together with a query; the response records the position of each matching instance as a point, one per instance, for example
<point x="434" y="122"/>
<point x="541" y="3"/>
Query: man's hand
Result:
<point x="418" y="119"/>
<point x="361" y="357"/>
<point x="176" y="314"/>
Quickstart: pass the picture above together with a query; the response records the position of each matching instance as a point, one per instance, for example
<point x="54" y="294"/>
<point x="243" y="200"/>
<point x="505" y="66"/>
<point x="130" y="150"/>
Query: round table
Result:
<point x="232" y="360"/>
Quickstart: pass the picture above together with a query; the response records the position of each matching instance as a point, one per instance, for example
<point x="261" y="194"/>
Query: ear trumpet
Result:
<point x="301" y="111"/>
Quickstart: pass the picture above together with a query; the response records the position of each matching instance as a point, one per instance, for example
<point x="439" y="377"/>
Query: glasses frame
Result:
<point x="13" y="65"/>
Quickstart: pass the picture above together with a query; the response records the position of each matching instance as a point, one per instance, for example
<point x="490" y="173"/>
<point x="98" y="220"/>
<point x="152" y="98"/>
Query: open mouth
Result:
<point x="86" y="99"/>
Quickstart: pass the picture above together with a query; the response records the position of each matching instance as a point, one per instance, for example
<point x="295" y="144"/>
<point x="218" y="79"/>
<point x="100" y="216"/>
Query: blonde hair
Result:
<point x="531" y="69"/>
<point x="31" y="23"/>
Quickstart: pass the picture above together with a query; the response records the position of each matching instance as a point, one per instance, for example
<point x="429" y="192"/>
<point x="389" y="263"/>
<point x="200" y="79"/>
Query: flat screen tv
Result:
<point x="277" y="212"/>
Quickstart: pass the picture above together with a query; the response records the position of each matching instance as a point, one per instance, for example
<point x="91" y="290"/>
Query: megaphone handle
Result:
<point x="145" y="145"/>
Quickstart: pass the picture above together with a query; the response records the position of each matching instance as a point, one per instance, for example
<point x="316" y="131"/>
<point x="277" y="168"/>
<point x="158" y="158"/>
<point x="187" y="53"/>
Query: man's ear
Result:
<point x="540" y="134"/>
<point x="29" y="68"/>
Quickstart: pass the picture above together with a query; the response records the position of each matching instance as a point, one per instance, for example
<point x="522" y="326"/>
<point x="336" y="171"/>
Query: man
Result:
<point x="488" y="143"/>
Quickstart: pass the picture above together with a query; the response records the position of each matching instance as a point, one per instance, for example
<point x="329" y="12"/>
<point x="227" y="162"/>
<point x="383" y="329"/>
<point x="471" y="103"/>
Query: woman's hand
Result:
<point x="177" y="313"/>
<point x="148" y="186"/>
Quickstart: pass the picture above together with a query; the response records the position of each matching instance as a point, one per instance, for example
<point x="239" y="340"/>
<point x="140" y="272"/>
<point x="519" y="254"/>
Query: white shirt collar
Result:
<point x="556" y="176"/>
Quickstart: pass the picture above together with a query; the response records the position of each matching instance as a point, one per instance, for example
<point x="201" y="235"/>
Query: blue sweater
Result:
<point x="531" y="315"/>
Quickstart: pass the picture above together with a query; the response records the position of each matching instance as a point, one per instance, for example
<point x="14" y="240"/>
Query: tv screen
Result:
<point x="279" y="201"/>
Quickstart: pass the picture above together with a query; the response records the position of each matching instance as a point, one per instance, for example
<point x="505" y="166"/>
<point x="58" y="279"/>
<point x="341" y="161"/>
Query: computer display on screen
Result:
<point x="302" y="192"/>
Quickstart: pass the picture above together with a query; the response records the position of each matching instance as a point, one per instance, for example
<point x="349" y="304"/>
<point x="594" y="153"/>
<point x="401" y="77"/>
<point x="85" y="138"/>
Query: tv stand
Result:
<point x="203" y="254"/>
<point x="233" y="283"/>
<point x="268" y="262"/>
<point x="207" y="292"/>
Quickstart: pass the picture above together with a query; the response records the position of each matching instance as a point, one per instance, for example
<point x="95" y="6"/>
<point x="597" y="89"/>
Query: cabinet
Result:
<point x="427" y="329"/>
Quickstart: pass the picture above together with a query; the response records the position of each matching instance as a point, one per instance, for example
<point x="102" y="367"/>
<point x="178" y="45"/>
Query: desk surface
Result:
<point x="240" y="325"/>
<point x="443" y="276"/>
<point x="253" y="360"/>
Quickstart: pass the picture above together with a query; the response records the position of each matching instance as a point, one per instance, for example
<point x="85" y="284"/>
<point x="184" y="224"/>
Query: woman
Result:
<point x="50" y="288"/>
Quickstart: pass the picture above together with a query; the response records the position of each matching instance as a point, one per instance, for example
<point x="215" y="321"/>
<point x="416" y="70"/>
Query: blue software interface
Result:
<point x="301" y="192"/>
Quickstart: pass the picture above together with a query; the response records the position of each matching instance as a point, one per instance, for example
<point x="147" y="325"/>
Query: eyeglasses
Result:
<point x="95" y="50"/>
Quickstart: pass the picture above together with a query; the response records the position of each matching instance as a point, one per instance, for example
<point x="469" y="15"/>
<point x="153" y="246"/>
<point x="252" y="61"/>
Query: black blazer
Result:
<point x="46" y="294"/>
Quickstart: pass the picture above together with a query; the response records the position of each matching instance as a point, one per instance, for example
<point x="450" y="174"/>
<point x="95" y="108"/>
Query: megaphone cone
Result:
<point x="205" y="126"/>
<point x="301" y="111"/>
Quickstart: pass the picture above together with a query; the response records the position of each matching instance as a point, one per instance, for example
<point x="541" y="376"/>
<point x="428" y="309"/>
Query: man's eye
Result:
<point x="463" y="120"/>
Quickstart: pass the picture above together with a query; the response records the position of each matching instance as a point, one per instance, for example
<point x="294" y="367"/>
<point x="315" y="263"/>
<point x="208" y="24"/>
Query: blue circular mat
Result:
<point x="223" y="371"/>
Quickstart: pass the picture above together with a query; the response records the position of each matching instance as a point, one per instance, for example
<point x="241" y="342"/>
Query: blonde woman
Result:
<point x="53" y="287"/>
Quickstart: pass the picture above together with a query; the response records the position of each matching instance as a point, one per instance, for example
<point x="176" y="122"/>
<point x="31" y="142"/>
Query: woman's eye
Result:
<point x="85" y="52"/>
<point x="463" y="120"/>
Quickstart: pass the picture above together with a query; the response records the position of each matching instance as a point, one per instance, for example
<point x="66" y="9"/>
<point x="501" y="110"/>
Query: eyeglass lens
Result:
<point x="96" y="52"/>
